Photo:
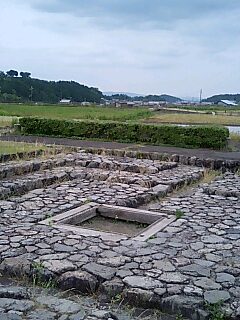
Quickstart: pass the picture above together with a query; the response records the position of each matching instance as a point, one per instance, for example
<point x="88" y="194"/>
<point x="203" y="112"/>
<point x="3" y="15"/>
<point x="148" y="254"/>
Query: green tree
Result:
<point x="12" y="73"/>
<point x="6" y="97"/>
<point x="25" y="74"/>
<point x="48" y="91"/>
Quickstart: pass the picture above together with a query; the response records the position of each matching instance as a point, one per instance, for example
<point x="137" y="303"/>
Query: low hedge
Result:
<point x="193" y="136"/>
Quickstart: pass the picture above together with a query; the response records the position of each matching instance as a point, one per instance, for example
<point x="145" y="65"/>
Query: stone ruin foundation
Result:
<point x="184" y="257"/>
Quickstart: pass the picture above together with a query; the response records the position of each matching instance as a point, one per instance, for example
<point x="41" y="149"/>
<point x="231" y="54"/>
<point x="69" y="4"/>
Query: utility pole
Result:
<point x="201" y="96"/>
<point x="31" y="94"/>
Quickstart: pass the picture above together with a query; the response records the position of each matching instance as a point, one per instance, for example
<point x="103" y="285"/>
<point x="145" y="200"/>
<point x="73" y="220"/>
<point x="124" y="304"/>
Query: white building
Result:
<point x="227" y="103"/>
<point x="65" y="101"/>
<point x="86" y="103"/>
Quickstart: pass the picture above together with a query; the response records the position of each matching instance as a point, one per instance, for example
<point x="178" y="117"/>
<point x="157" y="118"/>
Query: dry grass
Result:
<point x="235" y="137"/>
<point x="6" y="121"/>
<point x="209" y="176"/>
<point x="9" y="147"/>
<point x="194" y="119"/>
<point x="187" y="189"/>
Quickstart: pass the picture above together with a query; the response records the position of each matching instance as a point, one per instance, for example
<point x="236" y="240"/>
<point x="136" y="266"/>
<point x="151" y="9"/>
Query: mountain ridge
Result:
<point x="145" y="98"/>
<point x="226" y="96"/>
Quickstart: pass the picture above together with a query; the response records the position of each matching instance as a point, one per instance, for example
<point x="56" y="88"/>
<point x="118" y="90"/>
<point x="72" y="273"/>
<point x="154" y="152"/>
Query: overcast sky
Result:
<point x="142" y="46"/>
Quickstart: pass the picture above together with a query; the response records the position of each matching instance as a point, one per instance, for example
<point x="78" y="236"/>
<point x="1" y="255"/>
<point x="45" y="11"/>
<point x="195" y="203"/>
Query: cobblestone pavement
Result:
<point x="194" y="261"/>
<point x="22" y="302"/>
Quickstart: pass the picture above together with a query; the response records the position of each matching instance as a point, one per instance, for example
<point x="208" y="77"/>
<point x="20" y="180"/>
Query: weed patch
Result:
<point x="39" y="277"/>
<point x="215" y="311"/>
<point x="179" y="214"/>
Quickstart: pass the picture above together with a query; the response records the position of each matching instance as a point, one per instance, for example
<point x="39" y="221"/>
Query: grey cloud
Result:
<point x="211" y="24"/>
<point x="216" y="32"/>
<point x="173" y="46"/>
<point x="137" y="13"/>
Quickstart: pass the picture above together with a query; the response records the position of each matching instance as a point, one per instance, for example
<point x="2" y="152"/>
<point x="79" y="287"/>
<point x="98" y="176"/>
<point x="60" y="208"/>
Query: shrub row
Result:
<point x="192" y="136"/>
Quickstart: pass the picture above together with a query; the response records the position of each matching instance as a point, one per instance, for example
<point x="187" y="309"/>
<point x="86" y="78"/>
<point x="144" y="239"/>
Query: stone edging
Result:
<point x="213" y="164"/>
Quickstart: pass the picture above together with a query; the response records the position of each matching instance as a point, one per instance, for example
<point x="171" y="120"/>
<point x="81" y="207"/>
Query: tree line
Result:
<point x="20" y="87"/>
<point x="228" y="96"/>
<point x="162" y="97"/>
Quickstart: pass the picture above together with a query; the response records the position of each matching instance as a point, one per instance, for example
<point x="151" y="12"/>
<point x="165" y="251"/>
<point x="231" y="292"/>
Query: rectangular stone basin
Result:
<point x="111" y="222"/>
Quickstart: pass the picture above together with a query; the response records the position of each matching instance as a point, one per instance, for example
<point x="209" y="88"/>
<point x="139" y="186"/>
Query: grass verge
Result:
<point x="9" y="147"/>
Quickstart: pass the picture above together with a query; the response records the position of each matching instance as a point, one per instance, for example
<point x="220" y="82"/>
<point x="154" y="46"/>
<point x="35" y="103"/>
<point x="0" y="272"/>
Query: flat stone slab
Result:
<point x="59" y="305"/>
<point x="100" y="271"/>
<point x="216" y="296"/>
<point x="195" y="269"/>
<point x="225" y="277"/>
<point x="8" y="304"/>
<point x="174" y="277"/>
<point x="79" y="280"/>
<point x="213" y="239"/>
<point x="207" y="284"/>
<point x="142" y="282"/>
<point x="14" y="292"/>
<point x="59" y="266"/>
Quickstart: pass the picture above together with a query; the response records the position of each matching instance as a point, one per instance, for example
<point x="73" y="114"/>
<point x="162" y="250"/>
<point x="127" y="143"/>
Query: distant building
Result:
<point x="65" y="101"/>
<point x="86" y="103"/>
<point x="204" y="103"/>
<point x="227" y="103"/>
<point x="120" y="104"/>
<point x="155" y="103"/>
<point x="131" y="104"/>
<point x="124" y="104"/>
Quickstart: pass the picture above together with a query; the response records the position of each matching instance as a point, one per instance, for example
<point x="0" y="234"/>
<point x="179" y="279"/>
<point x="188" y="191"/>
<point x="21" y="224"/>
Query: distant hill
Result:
<point x="129" y="94"/>
<point x="170" y="99"/>
<point x="25" y="89"/>
<point x="217" y="98"/>
<point x="162" y="97"/>
<point x="147" y="98"/>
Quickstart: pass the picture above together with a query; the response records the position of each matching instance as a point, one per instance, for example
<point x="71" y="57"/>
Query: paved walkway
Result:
<point x="200" y="153"/>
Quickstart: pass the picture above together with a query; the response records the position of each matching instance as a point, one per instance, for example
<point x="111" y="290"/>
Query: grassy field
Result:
<point x="71" y="112"/>
<point x="7" y="111"/>
<point x="9" y="147"/>
<point x="194" y="119"/>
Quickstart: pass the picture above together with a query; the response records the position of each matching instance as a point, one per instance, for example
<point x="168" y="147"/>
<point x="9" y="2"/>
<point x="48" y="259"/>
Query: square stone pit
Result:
<point x="103" y="221"/>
